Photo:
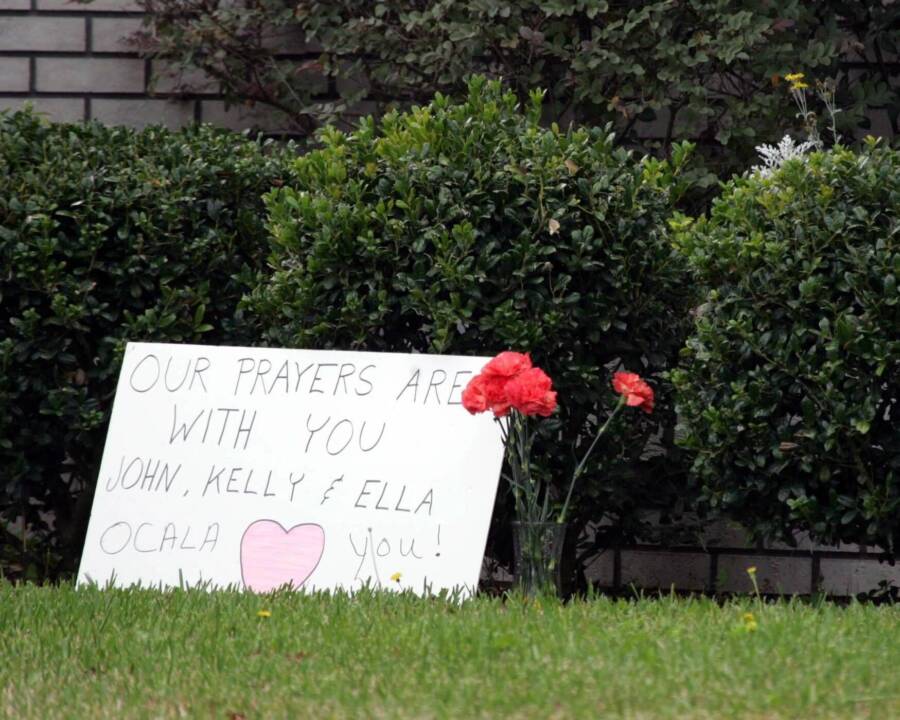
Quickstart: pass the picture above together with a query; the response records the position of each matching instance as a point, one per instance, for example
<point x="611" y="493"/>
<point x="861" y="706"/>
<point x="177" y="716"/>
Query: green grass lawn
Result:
<point x="114" y="654"/>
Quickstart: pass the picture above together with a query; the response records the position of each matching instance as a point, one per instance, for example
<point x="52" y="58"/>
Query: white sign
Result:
<point x="259" y="468"/>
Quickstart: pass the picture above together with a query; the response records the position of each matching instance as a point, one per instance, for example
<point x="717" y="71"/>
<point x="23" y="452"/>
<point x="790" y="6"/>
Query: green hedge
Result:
<point x="107" y="235"/>
<point x="789" y="391"/>
<point x="469" y="228"/>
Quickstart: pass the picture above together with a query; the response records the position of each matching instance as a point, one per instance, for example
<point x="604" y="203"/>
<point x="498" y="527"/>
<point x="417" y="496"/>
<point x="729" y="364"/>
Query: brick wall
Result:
<point x="71" y="62"/>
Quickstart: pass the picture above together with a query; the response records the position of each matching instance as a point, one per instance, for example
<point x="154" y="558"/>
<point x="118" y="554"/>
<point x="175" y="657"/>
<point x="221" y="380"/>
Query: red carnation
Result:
<point x="498" y="398"/>
<point x="474" y="397"/>
<point x="531" y="393"/>
<point x="637" y="393"/>
<point x="486" y="393"/>
<point x="507" y="365"/>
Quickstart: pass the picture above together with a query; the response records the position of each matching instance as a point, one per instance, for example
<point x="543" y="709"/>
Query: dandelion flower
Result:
<point x="264" y="613"/>
<point x="396" y="577"/>
<point x="748" y="622"/>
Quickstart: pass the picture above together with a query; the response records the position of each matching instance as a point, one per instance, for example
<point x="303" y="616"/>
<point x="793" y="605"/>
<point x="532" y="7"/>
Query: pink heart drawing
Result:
<point x="272" y="556"/>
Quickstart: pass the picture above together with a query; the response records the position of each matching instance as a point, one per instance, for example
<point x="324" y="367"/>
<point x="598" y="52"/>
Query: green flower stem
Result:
<point x="580" y="468"/>
<point x="518" y="439"/>
<point x="506" y="430"/>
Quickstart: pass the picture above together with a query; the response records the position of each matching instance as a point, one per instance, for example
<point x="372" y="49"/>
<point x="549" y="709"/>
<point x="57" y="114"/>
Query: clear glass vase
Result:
<point x="537" y="547"/>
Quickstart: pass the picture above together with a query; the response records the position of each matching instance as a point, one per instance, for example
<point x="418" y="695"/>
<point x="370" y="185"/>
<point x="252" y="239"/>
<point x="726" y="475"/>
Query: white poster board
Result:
<point x="259" y="468"/>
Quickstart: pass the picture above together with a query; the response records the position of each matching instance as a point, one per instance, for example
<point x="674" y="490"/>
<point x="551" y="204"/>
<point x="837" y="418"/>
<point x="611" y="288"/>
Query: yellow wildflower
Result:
<point x="264" y="613"/>
<point x="796" y="81"/>
<point x="748" y="622"/>
<point x="751" y="571"/>
<point x="396" y="577"/>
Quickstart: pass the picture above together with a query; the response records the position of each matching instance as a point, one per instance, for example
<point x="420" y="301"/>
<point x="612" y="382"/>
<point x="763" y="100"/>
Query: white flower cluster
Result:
<point x="774" y="155"/>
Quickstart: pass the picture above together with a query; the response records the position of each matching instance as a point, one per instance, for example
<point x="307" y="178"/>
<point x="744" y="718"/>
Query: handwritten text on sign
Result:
<point x="316" y="469"/>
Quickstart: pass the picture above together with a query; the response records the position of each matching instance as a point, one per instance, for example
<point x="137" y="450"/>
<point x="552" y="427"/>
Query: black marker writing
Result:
<point x="312" y="431"/>
<point x="140" y="474"/>
<point x="147" y="538"/>
<point x="236" y="480"/>
<point x="411" y="551"/>
<point x="362" y="432"/>
<point x="263" y="377"/>
<point x="317" y="378"/>
<point x="371" y="543"/>
<point x="262" y="369"/>
<point x="147" y="372"/>
<point x="367" y="382"/>
<point x="431" y="393"/>
<point x="327" y="493"/>
<point x="437" y="379"/>
<point x="391" y="498"/>
<point x="341" y="434"/>
<point x="236" y="434"/>
<point x="377" y="548"/>
<point x="457" y="385"/>
<point x="361" y="555"/>
<point x="344" y="432"/>
<point x="295" y="483"/>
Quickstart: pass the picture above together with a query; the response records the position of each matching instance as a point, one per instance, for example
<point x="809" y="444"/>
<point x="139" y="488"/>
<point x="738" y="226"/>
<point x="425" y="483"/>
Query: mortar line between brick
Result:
<point x="132" y="54"/>
<point x="66" y="54"/>
<point x="106" y="95"/>
<point x="758" y="552"/>
<point x="88" y="36"/>
<point x="33" y="11"/>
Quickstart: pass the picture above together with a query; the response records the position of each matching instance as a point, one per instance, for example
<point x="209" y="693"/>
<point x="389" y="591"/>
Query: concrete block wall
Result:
<point x="720" y="564"/>
<point x="72" y="62"/>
